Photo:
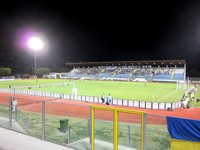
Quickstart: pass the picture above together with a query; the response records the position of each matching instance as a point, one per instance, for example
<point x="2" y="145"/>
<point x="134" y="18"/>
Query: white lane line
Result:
<point x="166" y="96"/>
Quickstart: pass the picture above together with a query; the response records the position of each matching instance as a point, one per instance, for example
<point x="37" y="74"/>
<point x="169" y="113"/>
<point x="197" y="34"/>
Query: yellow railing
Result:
<point x="115" y="124"/>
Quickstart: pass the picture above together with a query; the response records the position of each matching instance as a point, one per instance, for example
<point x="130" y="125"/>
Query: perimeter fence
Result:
<point x="94" y="99"/>
<point x="71" y="125"/>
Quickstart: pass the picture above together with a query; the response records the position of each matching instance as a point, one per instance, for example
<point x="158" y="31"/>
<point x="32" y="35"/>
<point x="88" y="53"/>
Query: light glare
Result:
<point x="35" y="43"/>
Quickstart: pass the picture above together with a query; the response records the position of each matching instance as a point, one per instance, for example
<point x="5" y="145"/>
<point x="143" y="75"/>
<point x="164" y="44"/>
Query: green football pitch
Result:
<point x="151" y="92"/>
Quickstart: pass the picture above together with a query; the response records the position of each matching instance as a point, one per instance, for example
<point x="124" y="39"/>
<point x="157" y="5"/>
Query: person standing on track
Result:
<point x="103" y="98"/>
<point x="109" y="101"/>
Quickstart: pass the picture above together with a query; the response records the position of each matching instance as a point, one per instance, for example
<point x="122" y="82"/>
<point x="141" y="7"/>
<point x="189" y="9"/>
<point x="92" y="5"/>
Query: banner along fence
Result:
<point x="93" y="99"/>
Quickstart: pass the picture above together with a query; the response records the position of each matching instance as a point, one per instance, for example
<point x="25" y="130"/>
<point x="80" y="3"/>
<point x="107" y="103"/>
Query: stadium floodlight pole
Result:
<point x="35" y="44"/>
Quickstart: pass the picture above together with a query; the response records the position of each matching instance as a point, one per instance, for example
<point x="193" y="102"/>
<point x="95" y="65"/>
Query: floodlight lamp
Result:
<point x="35" y="43"/>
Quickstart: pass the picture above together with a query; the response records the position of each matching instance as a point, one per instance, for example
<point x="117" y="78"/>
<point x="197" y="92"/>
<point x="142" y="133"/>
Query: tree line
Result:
<point x="4" y="71"/>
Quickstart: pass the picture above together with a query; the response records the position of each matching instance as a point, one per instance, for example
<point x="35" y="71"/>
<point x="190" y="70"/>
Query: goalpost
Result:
<point x="181" y="85"/>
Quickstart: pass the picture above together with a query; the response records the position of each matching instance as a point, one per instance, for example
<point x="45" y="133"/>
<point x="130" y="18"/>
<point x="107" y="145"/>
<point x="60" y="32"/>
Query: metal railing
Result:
<point x="43" y="123"/>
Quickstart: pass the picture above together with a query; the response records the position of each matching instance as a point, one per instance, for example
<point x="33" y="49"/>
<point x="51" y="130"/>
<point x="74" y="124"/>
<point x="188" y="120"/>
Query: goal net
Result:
<point x="181" y="85"/>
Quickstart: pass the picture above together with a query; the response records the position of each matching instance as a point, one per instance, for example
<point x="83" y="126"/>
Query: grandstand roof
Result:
<point x="121" y="63"/>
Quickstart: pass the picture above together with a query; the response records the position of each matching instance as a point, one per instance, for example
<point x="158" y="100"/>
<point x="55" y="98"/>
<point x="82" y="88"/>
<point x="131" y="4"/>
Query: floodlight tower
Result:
<point x="35" y="44"/>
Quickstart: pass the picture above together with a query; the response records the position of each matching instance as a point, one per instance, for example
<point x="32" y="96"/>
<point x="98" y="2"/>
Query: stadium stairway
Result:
<point x="4" y="122"/>
<point x="172" y="76"/>
<point x="151" y="74"/>
<point x="101" y="72"/>
<point x="133" y="72"/>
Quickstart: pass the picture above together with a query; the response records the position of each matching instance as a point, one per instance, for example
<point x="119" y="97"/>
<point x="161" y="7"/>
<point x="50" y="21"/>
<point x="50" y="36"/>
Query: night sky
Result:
<point x="118" y="31"/>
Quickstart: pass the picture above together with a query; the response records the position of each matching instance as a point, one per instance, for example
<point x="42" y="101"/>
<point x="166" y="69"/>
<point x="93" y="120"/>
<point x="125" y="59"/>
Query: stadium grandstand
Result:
<point x="154" y="70"/>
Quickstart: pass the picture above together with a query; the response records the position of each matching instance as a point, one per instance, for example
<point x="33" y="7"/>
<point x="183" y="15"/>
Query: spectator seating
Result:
<point x="148" y="73"/>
